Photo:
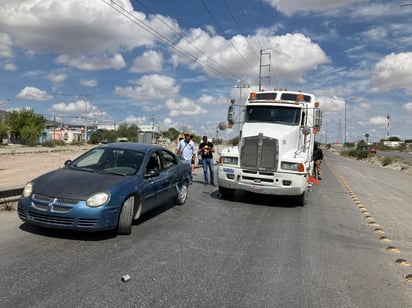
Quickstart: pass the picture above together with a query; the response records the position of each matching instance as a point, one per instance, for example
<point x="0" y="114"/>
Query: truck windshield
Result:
<point x="273" y="114"/>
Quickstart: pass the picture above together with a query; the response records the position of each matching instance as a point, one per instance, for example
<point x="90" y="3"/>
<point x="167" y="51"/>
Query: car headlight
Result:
<point x="292" y="166"/>
<point x="28" y="189"/>
<point x="98" y="199"/>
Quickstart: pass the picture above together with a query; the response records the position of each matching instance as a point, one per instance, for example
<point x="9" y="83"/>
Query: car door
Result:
<point x="159" y="182"/>
<point x="170" y="167"/>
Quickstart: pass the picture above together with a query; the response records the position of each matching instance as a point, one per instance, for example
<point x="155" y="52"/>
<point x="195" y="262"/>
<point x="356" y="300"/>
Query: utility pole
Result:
<point x="153" y="127"/>
<point x="263" y="52"/>
<point x="388" y="117"/>
<point x="240" y="87"/>
<point x="344" y="144"/>
<point x="339" y="139"/>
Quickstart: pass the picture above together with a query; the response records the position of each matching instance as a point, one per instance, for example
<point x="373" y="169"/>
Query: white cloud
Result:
<point x="150" y="61"/>
<point x="92" y="63"/>
<point x="57" y="77"/>
<point x="184" y="107"/>
<point x="294" y="55"/>
<point x="11" y="67"/>
<point x="135" y="120"/>
<point x="289" y="7"/>
<point x="78" y="107"/>
<point x="6" y="50"/>
<point x="393" y="72"/>
<point x="78" y="111"/>
<point x="49" y="26"/>
<point x="331" y="104"/>
<point x="407" y="107"/>
<point x="150" y="87"/>
<point x="32" y="93"/>
<point x="375" y="121"/>
<point x="89" y="83"/>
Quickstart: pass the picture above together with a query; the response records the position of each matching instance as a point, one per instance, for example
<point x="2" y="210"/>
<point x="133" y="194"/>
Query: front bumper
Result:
<point x="262" y="182"/>
<point x="76" y="216"/>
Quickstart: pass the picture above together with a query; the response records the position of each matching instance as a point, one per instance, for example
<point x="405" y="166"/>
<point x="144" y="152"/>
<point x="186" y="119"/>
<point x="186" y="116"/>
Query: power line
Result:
<point x="117" y="7"/>
<point x="240" y="29"/>
<point x="222" y="31"/>
<point x="183" y="38"/>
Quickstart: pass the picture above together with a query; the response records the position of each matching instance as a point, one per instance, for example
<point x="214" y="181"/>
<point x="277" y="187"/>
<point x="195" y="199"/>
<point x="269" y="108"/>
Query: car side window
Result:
<point x="154" y="162"/>
<point x="169" y="160"/>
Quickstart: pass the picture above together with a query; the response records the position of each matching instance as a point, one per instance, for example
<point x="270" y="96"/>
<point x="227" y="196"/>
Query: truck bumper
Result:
<point x="271" y="183"/>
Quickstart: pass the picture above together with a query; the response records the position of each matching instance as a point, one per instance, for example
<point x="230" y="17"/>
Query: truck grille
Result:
<point x="260" y="152"/>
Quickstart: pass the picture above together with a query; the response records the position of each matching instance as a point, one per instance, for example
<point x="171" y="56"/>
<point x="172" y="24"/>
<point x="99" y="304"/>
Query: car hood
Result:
<point x="76" y="184"/>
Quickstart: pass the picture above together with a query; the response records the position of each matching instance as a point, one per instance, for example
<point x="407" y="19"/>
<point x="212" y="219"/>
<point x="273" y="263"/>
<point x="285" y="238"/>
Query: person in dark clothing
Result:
<point x="317" y="157"/>
<point x="206" y="150"/>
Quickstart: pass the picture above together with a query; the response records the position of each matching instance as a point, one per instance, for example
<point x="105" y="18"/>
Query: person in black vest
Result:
<point x="317" y="157"/>
<point x="206" y="150"/>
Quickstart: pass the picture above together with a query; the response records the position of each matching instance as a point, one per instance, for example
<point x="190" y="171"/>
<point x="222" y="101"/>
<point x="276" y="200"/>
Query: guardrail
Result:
<point x="10" y="194"/>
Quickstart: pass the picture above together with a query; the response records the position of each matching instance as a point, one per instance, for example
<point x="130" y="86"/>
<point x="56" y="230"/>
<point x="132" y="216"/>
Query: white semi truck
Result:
<point x="274" y="155"/>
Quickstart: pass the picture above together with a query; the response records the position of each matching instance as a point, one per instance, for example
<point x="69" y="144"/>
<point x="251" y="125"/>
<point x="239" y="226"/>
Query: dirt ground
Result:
<point x="18" y="166"/>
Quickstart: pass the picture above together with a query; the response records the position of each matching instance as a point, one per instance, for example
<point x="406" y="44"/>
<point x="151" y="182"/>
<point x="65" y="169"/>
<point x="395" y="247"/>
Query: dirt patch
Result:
<point x="395" y="164"/>
<point x="16" y="169"/>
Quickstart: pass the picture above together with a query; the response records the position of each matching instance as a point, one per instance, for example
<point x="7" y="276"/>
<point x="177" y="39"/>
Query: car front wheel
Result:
<point x="126" y="217"/>
<point x="181" y="194"/>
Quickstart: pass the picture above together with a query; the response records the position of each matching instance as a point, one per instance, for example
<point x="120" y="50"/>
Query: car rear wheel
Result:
<point x="181" y="194"/>
<point x="126" y="217"/>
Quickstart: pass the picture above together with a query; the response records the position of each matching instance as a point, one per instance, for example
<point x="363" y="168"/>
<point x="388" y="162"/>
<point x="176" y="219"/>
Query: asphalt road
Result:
<point x="253" y="251"/>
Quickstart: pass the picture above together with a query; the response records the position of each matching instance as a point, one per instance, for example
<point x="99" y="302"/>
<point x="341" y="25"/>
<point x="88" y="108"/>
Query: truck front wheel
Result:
<point x="226" y="192"/>
<point x="301" y="199"/>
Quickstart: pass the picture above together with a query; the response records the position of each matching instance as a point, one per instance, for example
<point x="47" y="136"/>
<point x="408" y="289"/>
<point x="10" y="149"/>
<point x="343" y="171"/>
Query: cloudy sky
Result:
<point x="178" y="63"/>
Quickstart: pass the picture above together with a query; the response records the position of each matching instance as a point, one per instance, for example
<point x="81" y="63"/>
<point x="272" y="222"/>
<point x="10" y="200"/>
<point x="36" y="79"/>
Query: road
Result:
<point x="252" y="251"/>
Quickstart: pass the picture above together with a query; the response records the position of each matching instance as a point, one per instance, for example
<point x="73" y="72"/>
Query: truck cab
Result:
<point x="274" y="155"/>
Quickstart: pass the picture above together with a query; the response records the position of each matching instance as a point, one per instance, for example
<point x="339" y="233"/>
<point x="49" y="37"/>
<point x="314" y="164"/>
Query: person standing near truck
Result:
<point x="317" y="157"/>
<point x="206" y="150"/>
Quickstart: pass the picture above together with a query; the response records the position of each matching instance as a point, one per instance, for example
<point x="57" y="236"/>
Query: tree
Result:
<point x="4" y="131"/>
<point x="394" y="138"/>
<point x="131" y="132"/>
<point x="234" y="141"/>
<point x="25" y="125"/>
<point x="171" y="133"/>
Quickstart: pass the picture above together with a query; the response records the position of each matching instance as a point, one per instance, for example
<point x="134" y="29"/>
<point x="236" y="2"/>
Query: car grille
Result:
<point x="87" y="222"/>
<point x="260" y="152"/>
<point x="56" y="220"/>
<point x="50" y="205"/>
<point x="56" y="205"/>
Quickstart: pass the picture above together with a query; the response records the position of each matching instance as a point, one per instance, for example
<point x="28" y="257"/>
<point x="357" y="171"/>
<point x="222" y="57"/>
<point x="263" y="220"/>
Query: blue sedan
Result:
<point x="105" y="188"/>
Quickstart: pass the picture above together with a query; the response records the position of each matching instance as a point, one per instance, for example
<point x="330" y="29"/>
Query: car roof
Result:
<point x="141" y="147"/>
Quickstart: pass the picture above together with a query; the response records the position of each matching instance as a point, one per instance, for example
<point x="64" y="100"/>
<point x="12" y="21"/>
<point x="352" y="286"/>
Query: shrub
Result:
<point x="386" y="160"/>
<point x="358" y="154"/>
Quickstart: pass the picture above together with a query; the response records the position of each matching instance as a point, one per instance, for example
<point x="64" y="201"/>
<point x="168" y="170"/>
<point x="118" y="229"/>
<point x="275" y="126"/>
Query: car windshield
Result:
<point x="273" y="114"/>
<point x="110" y="160"/>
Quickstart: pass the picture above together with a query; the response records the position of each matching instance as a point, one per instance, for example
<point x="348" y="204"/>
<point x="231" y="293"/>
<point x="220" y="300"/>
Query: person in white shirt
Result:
<point x="186" y="150"/>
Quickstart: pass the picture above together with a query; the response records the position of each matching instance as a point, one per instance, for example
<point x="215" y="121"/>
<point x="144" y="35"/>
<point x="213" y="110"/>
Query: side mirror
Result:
<point x="305" y="130"/>
<point x="68" y="162"/>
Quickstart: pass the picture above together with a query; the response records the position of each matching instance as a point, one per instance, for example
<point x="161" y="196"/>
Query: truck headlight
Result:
<point x="292" y="166"/>
<point x="98" y="199"/>
<point x="228" y="160"/>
